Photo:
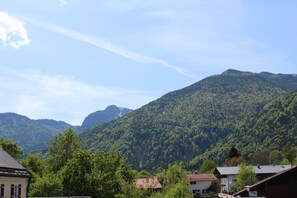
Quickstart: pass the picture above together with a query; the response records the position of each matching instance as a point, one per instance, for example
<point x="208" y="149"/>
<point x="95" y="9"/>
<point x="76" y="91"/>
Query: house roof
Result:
<point x="10" y="167"/>
<point x="6" y="161"/>
<point x="263" y="169"/>
<point x="151" y="183"/>
<point x="267" y="180"/>
<point x="201" y="177"/>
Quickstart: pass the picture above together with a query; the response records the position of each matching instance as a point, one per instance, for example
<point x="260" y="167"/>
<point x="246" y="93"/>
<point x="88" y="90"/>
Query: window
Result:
<point x="205" y="191"/>
<point x="196" y="192"/>
<point x="15" y="191"/>
<point x="2" y="191"/>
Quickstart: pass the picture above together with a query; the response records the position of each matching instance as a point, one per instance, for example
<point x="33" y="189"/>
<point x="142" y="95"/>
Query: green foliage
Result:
<point x="246" y="176"/>
<point x="172" y="175"/>
<point x="183" y="124"/>
<point x="208" y="166"/>
<point x="109" y="173"/>
<point x="75" y="174"/>
<point x="62" y="149"/>
<point x="174" y="182"/>
<point x="11" y="148"/>
<point x="131" y="191"/>
<point x="214" y="187"/>
<point x="34" y="165"/>
<point x="290" y="153"/>
<point x="49" y="185"/>
<point x="276" y="157"/>
<point x="272" y="128"/>
<point x="72" y="171"/>
<point x="178" y="190"/>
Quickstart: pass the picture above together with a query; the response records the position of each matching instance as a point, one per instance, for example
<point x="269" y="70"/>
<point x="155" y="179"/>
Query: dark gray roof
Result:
<point x="262" y="169"/>
<point x="267" y="180"/>
<point x="6" y="161"/>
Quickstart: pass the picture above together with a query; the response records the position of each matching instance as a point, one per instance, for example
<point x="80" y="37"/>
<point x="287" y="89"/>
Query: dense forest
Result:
<point x="186" y="123"/>
<point x="274" y="128"/>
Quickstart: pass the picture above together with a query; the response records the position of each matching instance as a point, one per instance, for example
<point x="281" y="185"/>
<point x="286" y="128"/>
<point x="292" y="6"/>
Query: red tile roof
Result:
<point x="151" y="183"/>
<point x="201" y="177"/>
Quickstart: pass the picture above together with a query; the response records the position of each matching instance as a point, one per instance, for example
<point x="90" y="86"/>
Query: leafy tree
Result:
<point x="109" y="173"/>
<point x="246" y="176"/>
<point x="290" y="153"/>
<point x="62" y="149"/>
<point x="11" y="148"/>
<point x="50" y="185"/>
<point x="276" y="157"/>
<point x="208" y="166"/>
<point x="174" y="183"/>
<point x="75" y="174"/>
<point x="131" y="191"/>
<point x="172" y="175"/>
<point x="34" y="164"/>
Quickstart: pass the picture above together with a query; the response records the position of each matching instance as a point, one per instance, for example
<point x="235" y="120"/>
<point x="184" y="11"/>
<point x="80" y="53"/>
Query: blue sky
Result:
<point x="63" y="59"/>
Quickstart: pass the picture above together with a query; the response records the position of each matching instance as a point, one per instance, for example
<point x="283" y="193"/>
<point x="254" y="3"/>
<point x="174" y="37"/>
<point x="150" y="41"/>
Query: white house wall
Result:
<point x="201" y="185"/>
<point x="7" y="181"/>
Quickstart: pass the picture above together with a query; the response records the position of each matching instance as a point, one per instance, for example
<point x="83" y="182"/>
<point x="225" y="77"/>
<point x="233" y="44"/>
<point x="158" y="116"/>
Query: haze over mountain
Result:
<point x="27" y="133"/>
<point x="100" y="117"/>
<point x="35" y="134"/>
<point x="183" y="124"/>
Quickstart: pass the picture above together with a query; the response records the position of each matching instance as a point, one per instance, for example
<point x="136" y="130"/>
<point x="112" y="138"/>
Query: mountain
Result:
<point x="27" y="133"/>
<point x="272" y="128"/>
<point x="184" y="124"/>
<point x="100" y="117"/>
<point x="36" y="134"/>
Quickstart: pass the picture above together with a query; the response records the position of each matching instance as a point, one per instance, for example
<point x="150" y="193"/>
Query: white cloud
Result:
<point x="39" y="95"/>
<point x="12" y="31"/>
<point x="107" y="45"/>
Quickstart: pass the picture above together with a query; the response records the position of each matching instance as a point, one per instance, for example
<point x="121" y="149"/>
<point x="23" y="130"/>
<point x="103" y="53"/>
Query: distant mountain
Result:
<point x="27" y="133"/>
<point x="184" y="124"/>
<point x="36" y="134"/>
<point x="100" y="117"/>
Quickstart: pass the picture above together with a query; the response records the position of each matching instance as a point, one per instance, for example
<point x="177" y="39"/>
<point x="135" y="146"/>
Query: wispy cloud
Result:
<point x="107" y="45"/>
<point x="39" y="95"/>
<point x="62" y="2"/>
<point x="12" y="31"/>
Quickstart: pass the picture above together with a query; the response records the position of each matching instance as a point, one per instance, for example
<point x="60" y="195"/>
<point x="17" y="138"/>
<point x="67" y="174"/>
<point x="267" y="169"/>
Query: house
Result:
<point x="283" y="184"/>
<point x="14" y="178"/>
<point x="151" y="183"/>
<point x="199" y="183"/>
<point x="228" y="174"/>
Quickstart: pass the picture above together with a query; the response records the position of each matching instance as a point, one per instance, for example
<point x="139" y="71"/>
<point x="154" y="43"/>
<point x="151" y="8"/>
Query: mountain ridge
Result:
<point x="32" y="134"/>
<point x="185" y="123"/>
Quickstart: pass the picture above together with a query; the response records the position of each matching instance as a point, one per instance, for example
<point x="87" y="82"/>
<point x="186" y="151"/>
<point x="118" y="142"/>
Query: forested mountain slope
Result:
<point x="185" y="123"/>
<point x="27" y="133"/>
<point x="272" y="128"/>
